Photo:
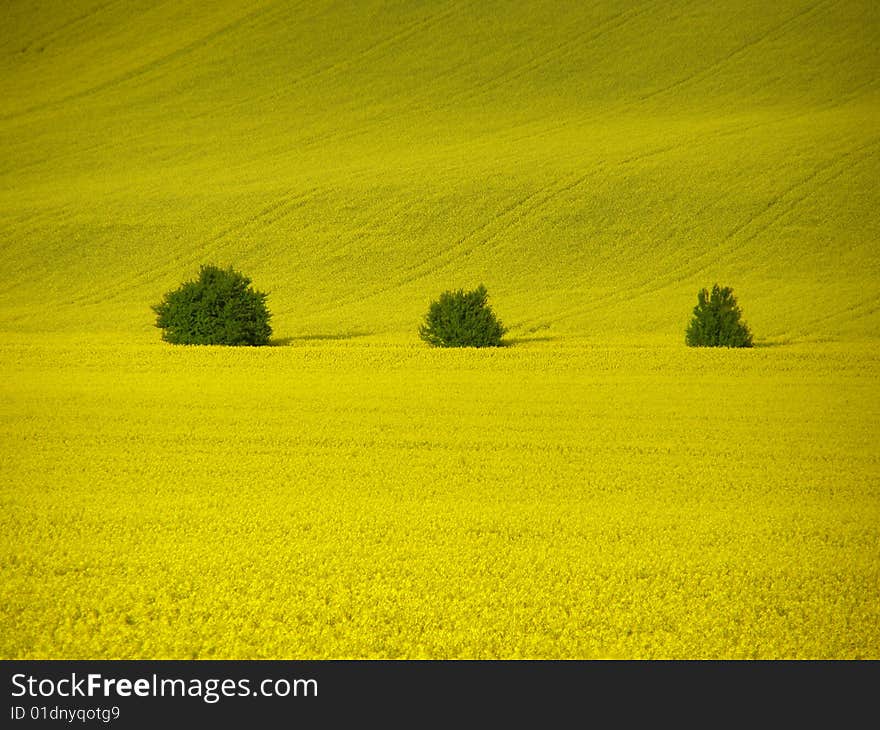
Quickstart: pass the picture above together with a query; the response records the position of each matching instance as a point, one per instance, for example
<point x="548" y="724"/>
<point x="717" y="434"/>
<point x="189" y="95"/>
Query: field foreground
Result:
<point x="346" y="499"/>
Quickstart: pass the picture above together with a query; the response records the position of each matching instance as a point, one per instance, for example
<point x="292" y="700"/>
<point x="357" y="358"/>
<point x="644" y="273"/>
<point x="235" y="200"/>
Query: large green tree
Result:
<point x="218" y="308"/>
<point x="717" y="321"/>
<point x="462" y="319"/>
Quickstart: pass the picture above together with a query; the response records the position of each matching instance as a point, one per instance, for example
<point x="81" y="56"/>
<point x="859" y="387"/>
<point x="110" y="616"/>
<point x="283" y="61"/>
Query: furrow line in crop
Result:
<point x="773" y="33"/>
<point x="732" y="242"/>
<point x="142" y="70"/>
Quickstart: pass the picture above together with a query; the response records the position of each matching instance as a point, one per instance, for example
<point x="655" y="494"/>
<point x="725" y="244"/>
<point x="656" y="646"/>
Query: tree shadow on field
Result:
<point x="513" y="341"/>
<point x="771" y="343"/>
<point x="326" y="337"/>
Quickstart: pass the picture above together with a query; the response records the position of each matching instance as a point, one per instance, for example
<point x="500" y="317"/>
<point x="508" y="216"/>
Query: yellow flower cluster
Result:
<point x="376" y="501"/>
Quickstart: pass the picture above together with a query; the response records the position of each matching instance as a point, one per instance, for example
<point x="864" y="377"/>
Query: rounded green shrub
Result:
<point x="462" y="319"/>
<point x="218" y="308"/>
<point x="717" y="321"/>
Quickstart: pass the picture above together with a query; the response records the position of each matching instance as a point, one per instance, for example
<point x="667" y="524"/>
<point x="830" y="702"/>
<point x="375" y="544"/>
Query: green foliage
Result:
<point x="462" y="319"/>
<point x="717" y="321"/>
<point x="219" y="308"/>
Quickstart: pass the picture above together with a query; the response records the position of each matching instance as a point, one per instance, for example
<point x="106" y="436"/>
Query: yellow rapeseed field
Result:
<point x="346" y="500"/>
<point x="596" y="489"/>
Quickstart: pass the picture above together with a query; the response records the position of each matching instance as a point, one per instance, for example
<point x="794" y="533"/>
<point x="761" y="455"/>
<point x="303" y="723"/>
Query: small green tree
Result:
<point x="717" y="321"/>
<point x="462" y="319"/>
<point x="219" y="308"/>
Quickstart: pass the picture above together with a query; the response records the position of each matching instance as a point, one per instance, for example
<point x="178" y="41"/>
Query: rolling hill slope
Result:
<point x="592" y="163"/>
